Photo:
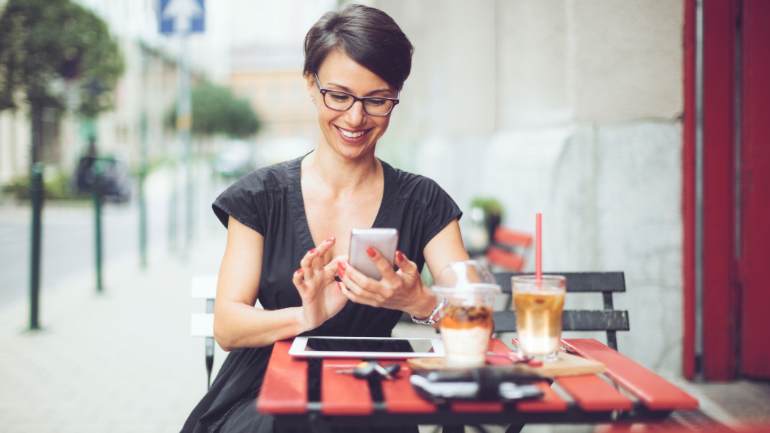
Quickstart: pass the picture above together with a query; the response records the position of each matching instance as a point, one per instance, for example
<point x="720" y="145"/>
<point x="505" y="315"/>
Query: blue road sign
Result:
<point x="181" y="16"/>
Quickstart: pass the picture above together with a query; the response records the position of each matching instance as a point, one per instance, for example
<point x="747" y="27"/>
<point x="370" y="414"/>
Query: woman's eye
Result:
<point x="376" y="101"/>
<point x="339" y="97"/>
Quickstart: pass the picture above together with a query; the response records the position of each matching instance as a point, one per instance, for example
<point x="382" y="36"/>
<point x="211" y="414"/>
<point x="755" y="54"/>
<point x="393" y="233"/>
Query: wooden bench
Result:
<point x="202" y="324"/>
<point x="607" y="319"/>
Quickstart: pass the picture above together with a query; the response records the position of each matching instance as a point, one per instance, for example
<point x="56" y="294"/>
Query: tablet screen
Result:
<point x="367" y="345"/>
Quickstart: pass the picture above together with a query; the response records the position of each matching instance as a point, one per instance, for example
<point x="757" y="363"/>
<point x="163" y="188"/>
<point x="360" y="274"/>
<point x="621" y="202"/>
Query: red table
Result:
<point x="627" y="392"/>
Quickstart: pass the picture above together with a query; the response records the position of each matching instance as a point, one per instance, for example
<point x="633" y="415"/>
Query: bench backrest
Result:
<point x="608" y="319"/>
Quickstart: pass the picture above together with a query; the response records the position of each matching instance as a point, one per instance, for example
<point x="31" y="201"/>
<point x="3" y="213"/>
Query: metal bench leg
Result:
<point x="209" y="360"/>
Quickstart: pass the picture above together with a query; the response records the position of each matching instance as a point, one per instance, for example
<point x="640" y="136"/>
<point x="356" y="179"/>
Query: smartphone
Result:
<point x="384" y="240"/>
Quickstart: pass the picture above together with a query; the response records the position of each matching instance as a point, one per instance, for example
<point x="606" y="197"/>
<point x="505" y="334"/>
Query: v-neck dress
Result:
<point x="269" y="200"/>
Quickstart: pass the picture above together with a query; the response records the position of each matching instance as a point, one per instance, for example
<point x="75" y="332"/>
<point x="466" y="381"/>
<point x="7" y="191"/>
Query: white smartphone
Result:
<point x="384" y="240"/>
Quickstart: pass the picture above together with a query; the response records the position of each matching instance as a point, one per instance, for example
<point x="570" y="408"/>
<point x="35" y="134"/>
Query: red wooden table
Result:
<point x="293" y="393"/>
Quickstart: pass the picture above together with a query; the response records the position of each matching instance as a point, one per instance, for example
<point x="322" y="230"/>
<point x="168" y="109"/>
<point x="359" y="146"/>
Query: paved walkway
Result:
<point x="122" y="361"/>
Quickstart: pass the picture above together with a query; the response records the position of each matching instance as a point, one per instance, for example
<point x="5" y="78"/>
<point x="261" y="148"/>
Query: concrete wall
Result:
<point x="569" y="107"/>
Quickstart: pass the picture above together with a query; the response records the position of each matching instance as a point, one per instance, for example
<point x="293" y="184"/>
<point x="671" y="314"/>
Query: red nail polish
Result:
<point x="340" y="269"/>
<point x="370" y="251"/>
<point x="399" y="256"/>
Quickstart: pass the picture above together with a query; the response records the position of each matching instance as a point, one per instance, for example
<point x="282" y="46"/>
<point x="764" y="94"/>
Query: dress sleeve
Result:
<point x="441" y="210"/>
<point x="245" y="200"/>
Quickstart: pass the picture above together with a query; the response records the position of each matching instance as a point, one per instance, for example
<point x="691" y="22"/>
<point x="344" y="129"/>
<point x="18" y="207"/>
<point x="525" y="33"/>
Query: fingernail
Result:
<point x="311" y="251"/>
<point x="399" y="256"/>
<point x="370" y="251"/>
<point x="298" y="271"/>
<point x="340" y="269"/>
<point x="331" y="239"/>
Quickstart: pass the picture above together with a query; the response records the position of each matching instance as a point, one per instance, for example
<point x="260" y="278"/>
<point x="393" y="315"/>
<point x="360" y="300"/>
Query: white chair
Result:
<point x="202" y="324"/>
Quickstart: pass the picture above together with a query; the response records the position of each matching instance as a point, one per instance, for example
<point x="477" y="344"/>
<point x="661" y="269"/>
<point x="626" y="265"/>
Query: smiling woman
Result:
<point x="288" y="225"/>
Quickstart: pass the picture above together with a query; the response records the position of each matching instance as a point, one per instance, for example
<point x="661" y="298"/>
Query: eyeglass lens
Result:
<point x="341" y="101"/>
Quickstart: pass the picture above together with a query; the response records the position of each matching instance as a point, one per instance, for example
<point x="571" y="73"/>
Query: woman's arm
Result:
<point x="446" y="247"/>
<point x="237" y="323"/>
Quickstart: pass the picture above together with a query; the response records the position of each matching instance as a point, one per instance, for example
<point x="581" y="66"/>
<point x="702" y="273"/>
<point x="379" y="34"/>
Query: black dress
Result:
<point x="269" y="200"/>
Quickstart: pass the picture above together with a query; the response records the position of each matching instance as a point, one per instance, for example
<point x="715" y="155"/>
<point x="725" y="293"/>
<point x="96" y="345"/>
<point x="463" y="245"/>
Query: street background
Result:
<point x="571" y="108"/>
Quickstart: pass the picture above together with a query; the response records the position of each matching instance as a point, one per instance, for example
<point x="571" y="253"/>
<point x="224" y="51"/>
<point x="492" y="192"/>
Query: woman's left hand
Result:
<point x="397" y="290"/>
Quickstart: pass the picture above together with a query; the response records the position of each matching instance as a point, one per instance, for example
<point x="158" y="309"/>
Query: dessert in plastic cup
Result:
<point x="539" y="307"/>
<point x="468" y="290"/>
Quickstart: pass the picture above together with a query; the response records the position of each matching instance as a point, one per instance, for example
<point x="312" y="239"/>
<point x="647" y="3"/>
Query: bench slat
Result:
<point x="592" y="394"/>
<point x="343" y="394"/>
<point x="202" y="325"/>
<point x="401" y="397"/>
<point x="576" y="281"/>
<point x="573" y="320"/>
<point x="284" y="388"/>
<point x="653" y="391"/>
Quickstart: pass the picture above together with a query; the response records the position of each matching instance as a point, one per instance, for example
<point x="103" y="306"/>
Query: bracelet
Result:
<point x="434" y="315"/>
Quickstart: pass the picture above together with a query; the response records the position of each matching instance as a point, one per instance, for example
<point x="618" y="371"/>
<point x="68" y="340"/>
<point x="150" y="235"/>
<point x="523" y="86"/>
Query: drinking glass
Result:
<point x="468" y="290"/>
<point x="539" y="306"/>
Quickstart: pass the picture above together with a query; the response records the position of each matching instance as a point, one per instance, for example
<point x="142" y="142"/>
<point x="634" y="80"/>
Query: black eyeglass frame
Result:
<point x="363" y="99"/>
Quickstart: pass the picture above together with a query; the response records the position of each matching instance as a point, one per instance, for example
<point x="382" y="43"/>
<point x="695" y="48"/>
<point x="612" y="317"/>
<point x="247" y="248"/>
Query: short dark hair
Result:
<point x="368" y="35"/>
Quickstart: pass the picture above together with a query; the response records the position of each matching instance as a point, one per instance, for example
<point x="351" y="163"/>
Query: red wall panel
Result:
<point x="755" y="190"/>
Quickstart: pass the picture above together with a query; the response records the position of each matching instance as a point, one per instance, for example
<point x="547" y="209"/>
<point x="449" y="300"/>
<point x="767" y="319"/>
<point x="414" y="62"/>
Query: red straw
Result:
<point x="538" y="247"/>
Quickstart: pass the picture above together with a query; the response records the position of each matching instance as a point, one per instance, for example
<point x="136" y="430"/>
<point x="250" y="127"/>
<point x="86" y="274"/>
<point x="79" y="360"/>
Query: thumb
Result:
<point x="404" y="264"/>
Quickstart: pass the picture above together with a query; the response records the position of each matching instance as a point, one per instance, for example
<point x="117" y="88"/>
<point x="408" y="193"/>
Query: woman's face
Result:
<point x="351" y="133"/>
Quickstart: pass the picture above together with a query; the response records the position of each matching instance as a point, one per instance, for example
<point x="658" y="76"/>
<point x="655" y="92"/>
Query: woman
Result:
<point x="288" y="225"/>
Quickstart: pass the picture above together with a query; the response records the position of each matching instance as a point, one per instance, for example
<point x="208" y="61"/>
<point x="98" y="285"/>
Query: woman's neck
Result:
<point x="340" y="174"/>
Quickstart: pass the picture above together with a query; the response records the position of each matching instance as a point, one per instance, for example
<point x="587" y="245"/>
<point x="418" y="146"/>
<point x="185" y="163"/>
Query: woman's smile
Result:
<point x="352" y="136"/>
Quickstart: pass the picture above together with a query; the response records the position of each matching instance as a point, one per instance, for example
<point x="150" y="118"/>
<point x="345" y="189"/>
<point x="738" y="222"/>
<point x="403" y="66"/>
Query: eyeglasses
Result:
<point x="338" y="100"/>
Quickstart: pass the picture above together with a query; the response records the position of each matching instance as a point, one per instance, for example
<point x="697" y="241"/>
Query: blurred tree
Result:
<point x="215" y="110"/>
<point x="45" y="43"/>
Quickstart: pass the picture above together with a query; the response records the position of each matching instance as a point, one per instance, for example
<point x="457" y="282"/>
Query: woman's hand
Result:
<point x="398" y="290"/>
<point x="321" y="296"/>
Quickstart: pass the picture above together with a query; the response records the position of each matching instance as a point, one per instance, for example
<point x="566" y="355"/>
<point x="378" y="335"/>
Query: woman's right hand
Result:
<point x="321" y="295"/>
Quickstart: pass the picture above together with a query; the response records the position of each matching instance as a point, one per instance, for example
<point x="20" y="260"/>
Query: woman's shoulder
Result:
<point x="271" y="178"/>
<point x="413" y="186"/>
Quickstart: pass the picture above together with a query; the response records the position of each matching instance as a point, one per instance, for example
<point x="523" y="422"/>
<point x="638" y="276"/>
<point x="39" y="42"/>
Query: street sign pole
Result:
<point x="183" y="17"/>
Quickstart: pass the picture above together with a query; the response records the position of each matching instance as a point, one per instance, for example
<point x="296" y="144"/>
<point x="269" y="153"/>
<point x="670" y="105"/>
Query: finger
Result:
<point x="325" y="249"/>
<point x="405" y="265"/>
<point x="353" y="294"/>
<point x="383" y="265"/>
<point x="298" y="280"/>
<point x="306" y="264"/>
<point x="368" y="296"/>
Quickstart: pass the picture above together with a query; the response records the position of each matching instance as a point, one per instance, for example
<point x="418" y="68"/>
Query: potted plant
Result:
<point x="493" y="213"/>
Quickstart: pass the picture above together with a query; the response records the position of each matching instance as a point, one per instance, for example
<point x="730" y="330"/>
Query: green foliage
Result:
<point x="215" y="110"/>
<point x="56" y="186"/>
<point x="45" y="41"/>
<point x="489" y="205"/>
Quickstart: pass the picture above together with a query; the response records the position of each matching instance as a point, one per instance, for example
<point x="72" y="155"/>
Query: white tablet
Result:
<point x="366" y="347"/>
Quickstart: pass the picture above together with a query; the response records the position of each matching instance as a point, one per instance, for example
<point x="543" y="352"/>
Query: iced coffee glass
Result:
<point x="539" y="306"/>
<point x="468" y="290"/>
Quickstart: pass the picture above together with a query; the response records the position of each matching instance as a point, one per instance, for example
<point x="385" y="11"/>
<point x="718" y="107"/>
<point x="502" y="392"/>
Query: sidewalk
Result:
<point x="122" y="361"/>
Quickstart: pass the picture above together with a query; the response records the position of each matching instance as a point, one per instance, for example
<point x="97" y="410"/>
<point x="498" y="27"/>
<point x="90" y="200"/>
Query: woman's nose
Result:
<point x="356" y="114"/>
